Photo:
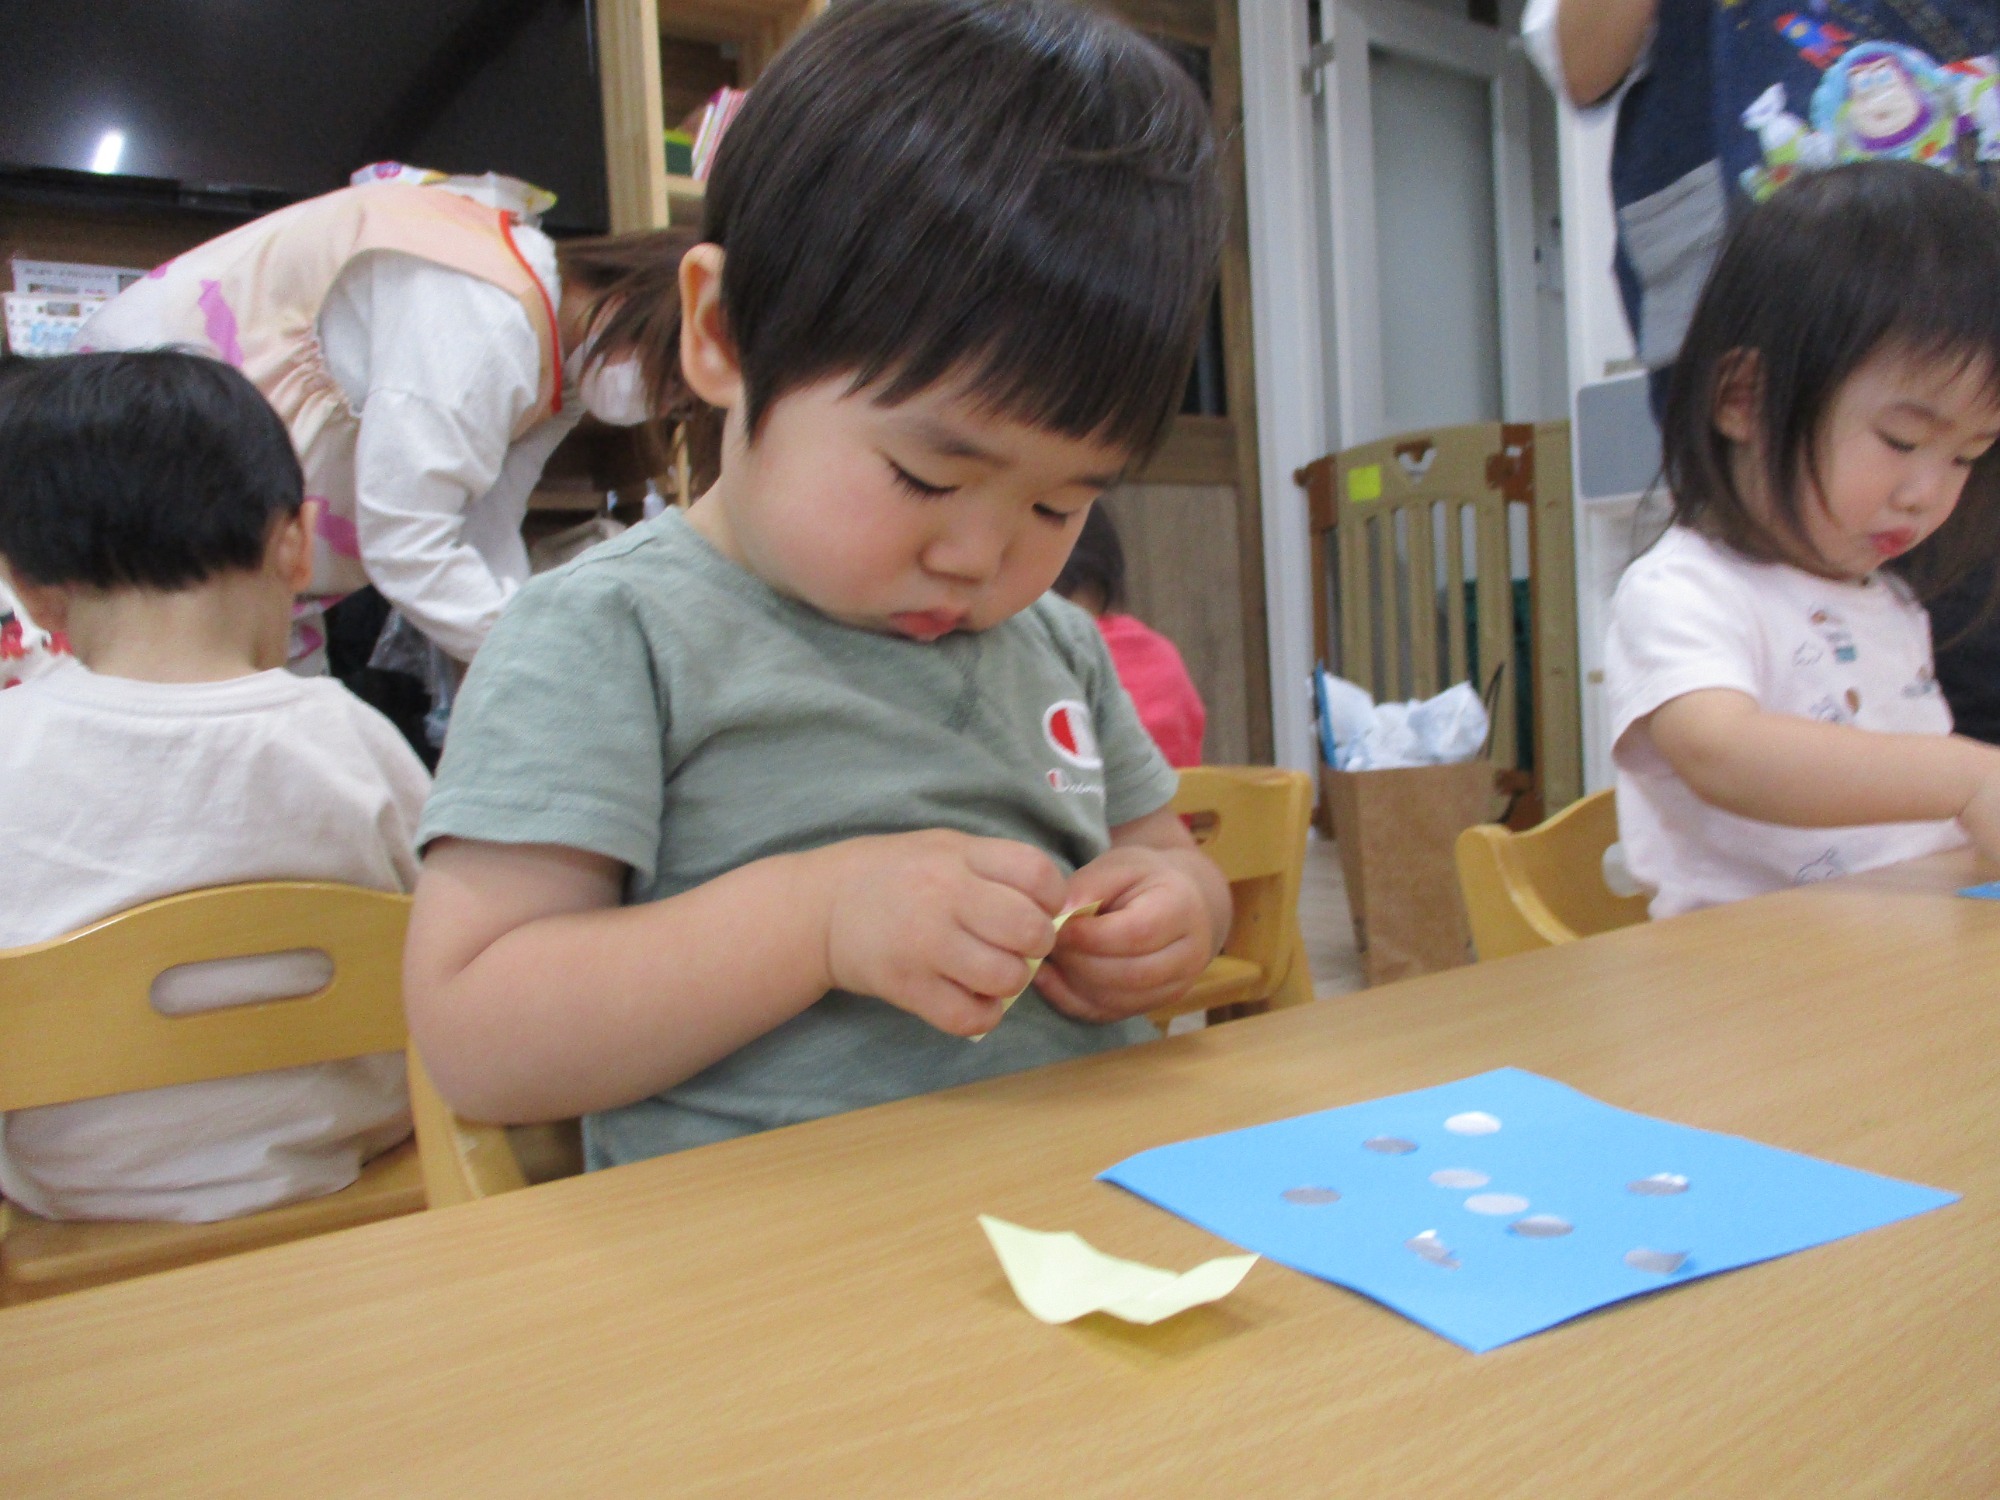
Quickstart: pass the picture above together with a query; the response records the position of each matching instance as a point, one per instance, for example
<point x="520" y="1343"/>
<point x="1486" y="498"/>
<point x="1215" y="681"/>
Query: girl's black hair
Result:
<point x="1022" y="192"/>
<point x="1835" y="268"/>
<point x="153" y="469"/>
<point x="1096" y="563"/>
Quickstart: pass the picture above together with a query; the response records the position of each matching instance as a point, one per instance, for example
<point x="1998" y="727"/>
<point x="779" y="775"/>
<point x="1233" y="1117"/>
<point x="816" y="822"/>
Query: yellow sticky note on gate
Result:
<point x="1060" y="1277"/>
<point x="1089" y="909"/>
<point x="1364" y="483"/>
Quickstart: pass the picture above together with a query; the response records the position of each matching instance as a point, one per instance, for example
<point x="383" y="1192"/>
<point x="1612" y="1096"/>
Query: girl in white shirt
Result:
<point x="1829" y="446"/>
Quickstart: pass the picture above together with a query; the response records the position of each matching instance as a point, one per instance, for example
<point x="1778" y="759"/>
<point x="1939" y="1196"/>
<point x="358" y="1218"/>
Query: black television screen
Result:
<point x="265" y="101"/>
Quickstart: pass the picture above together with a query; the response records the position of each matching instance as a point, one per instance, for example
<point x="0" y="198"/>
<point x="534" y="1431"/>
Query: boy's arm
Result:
<point x="1165" y="914"/>
<point x="534" y="995"/>
<point x="1599" y="41"/>
<point x="1778" y="768"/>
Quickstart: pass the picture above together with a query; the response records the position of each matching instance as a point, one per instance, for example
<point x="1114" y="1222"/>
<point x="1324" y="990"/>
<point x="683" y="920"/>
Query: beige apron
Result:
<point x="253" y="297"/>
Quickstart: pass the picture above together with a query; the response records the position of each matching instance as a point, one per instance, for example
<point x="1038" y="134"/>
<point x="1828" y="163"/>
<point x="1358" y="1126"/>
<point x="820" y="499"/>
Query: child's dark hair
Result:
<point x="1096" y="565"/>
<point x="1835" y="268"/>
<point x="1019" y="191"/>
<point x="153" y="470"/>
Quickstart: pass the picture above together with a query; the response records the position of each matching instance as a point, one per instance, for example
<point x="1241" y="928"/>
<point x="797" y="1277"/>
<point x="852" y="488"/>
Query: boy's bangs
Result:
<point x="1087" y="334"/>
<point x="1017" y="193"/>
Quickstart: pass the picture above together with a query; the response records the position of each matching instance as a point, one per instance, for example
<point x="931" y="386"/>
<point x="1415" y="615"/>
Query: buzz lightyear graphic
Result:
<point x="1873" y="100"/>
<point x="1885" y="99"/>
<point x="1978" y="80"/>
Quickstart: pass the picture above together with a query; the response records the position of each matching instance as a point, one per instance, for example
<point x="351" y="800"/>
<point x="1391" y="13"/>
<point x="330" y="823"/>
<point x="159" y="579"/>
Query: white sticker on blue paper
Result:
<point x="1590" y="1240"/>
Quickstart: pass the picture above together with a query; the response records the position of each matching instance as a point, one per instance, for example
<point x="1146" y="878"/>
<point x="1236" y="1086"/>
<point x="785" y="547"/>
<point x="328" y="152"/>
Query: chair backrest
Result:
<point x="77" y="1019"/>
<point x="1392" y="522"/>
<point x="1251" y="820"/>
<point x="1545" y="886"/>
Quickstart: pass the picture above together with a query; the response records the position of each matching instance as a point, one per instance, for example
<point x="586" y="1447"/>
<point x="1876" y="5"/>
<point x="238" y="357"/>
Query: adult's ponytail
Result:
<point x="633" y="283"/>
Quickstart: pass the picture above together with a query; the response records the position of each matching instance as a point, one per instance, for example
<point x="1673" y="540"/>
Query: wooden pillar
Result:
<point x="635" y="153"/>
<point x="1240" y="376"/>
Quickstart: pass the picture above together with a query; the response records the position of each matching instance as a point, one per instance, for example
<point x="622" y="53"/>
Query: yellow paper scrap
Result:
<point x="1089" y="909"/>
<point x="1060" y="1277"/>
<point x="1364" y="483"/>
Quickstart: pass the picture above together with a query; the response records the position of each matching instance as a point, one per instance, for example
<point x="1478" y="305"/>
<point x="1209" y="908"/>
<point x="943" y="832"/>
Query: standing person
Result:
<point x="1775" y="716"/>
<point x="1720" y="104"/>
<point x="427" y="348"/>
<point x="1149" y="665"/>
<point x="840" y="759"/>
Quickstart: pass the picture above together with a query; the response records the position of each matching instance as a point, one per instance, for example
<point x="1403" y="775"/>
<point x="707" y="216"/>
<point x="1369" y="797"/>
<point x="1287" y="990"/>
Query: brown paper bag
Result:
<point x="1396" y="831"/>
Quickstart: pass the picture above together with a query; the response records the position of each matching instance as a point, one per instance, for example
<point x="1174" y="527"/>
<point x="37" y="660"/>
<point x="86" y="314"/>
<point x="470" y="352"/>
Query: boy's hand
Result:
<point x="940" y="924"/>
<point x="1981" y="817"/>
<point x="1152" y="937"/>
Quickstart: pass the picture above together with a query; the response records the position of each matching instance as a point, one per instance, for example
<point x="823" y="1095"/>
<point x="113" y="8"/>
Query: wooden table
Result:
<point x="814" y="1313"/>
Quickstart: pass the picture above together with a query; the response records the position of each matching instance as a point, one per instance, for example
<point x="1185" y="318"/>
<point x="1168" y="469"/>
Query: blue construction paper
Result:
<point x="1987" y="892"/>
<point x="1568" y="1154"/>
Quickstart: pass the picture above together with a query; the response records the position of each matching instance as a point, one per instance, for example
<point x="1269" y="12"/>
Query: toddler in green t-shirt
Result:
<point x="757" y="812"/>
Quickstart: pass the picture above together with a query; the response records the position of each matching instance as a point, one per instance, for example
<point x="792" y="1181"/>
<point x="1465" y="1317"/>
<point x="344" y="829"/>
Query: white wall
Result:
<point x="1285" y="323"/>
<point x="1435" y="244"/>
<point x="1600" y="346"/>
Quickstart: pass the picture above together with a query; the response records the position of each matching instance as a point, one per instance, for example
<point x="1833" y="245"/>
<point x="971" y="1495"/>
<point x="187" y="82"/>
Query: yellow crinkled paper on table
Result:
<point x="1061" y="1276"/>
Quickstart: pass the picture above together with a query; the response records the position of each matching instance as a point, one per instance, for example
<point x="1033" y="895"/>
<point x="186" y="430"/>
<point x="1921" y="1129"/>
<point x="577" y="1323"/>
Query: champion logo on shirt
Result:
<point x="1066" y="726"/>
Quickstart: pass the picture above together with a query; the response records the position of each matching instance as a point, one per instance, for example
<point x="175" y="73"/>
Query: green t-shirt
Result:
<point x="654" y="703"/>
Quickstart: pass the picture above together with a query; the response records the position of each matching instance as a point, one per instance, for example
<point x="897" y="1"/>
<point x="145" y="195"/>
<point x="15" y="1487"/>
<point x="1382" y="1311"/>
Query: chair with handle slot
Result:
<point x="77" y="1022"/>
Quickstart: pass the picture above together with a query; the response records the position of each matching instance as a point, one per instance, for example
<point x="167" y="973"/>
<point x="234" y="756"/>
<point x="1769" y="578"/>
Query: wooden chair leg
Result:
<point x="1297" y="986"/>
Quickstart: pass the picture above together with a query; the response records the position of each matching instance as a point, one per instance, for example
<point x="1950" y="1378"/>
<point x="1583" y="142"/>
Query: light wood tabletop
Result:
<point x="815" y="1313"/>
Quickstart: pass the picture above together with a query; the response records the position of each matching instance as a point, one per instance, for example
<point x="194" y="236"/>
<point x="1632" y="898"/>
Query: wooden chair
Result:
<point x="1389" y="525"/>
<point x="1251" y="820"/>
<point x="77" y="1022"/>
<point x="1533" y="890"/>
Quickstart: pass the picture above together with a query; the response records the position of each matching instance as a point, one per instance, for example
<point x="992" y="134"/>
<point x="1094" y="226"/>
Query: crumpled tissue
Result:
<point x="1359" y="734"/>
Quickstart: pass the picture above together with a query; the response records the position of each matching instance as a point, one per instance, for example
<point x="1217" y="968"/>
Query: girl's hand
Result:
<point x="1153" y="935"/>
<point x="939" y="924"/>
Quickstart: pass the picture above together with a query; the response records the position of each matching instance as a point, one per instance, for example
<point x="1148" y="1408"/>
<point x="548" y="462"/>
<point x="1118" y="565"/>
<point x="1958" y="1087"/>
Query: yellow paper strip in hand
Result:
<point x="1088" y="909"/>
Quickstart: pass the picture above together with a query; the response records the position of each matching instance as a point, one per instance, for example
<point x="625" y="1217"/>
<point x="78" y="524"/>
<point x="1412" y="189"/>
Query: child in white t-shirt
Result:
<point x="1829" y="445"/>
<point x="150" y="509"/>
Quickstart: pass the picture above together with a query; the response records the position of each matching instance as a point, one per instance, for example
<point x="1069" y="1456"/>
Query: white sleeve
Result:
<point x="441" y="367"/>
<point x="406" y="780"/>
<point x="1679" y="624"/>
<point x="1538" y="36"/>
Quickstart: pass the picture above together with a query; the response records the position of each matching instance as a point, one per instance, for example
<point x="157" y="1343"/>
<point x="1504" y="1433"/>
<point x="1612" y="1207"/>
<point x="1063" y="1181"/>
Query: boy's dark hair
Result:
<point x="1835" y="268"/>
<point x="1096" y="564"/>
<point x="151" y="470"/>
<point x="1022" y="191"/>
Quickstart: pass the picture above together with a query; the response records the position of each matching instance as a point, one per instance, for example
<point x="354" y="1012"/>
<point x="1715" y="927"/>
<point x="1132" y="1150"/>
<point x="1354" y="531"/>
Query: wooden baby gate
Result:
<point x="1392" y="523"/>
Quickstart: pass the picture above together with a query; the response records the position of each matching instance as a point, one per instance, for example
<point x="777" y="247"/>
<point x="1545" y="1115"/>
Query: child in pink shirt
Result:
<point x="1148" y="664"/>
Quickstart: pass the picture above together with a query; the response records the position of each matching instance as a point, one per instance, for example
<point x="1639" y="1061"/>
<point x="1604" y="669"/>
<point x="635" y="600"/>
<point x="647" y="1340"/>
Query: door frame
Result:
<point x="1340" y="65"/>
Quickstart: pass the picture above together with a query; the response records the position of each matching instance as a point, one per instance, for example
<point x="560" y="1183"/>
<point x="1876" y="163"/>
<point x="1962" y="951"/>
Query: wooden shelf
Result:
<point x="684" y="199"/>
<point x="1198" y="450"/>
<point x="629" y="34"/>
